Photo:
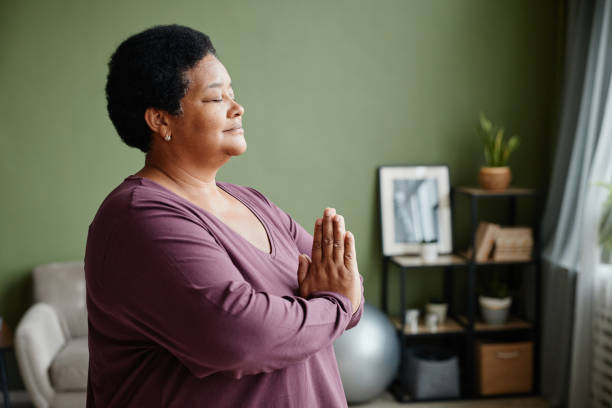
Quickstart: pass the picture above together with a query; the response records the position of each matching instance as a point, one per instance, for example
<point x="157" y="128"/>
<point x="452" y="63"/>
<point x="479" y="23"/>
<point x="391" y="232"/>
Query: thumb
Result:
<point x="302" y="268"/>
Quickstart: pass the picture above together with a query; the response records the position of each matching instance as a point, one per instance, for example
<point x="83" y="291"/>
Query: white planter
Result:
<point x="439" y="309"/>
<point x="429" y="252"/>
<point x="494" y="310"/>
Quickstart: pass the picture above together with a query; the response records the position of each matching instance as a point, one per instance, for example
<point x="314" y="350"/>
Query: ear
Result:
<point x="158" y="122"/>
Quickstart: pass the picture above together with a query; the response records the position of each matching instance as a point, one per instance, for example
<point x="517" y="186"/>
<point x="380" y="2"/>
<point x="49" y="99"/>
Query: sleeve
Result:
<point x="175" y="285"/>
<point x="303" y="240"/>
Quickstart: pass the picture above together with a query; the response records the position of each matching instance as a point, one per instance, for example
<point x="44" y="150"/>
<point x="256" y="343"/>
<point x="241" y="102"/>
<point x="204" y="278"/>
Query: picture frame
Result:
<point x="414" y="208"/>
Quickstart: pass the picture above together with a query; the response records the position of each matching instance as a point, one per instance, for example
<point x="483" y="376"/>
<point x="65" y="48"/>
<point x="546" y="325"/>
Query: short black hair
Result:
<point x="148" y="70"/>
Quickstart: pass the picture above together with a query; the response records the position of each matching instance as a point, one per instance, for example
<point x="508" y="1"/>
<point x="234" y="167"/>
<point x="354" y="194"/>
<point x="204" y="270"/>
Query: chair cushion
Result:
<point x="62" y="285"/>
<point x="69" y="400"/>
<point x="69" y="369"/>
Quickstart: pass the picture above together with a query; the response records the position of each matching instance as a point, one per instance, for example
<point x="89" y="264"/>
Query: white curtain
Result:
<point x="572" y="250"/>
<point x="593" y="277"/>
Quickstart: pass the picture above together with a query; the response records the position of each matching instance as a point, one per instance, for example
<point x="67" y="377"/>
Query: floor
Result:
<point x="18" y="400"/>
<point x="386" y="400"/>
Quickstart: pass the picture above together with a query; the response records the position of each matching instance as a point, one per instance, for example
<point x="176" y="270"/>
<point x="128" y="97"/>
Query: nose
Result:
<point x="235" y="110"/>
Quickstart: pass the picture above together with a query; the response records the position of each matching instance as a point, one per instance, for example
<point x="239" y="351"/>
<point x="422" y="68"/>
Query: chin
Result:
<point x="237" y="148"/>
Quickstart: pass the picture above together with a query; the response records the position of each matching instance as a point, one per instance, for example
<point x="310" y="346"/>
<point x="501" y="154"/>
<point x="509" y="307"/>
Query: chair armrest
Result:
<point x="38" y="339"/>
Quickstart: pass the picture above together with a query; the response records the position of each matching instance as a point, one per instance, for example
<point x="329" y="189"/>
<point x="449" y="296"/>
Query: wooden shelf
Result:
<point x="510" y="191"/>
<point x="449" y="326"/>
<point x="513" y="323"/>
<point x="466" y="258"/>
<point x="517" y="262"/>
<point x="416" y="261"/>
<point x="456" y="329"/>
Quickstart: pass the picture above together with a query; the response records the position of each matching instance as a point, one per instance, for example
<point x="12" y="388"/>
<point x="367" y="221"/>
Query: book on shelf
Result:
<point x="485" y="238"/>
<point x="497" y="243"/>
<point x="513" y="244"/>
<point x="514" y="238"/>
<point x="511" y="256"/>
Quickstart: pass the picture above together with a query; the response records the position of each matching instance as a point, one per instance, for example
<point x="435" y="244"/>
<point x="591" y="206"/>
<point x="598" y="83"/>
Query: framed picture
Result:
<point x="414" y="208"/>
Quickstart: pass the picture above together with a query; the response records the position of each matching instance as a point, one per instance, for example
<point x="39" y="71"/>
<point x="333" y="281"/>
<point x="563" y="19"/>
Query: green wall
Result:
<point x="331" y="90"/>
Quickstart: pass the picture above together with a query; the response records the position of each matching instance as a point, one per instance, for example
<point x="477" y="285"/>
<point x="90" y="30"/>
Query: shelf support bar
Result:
<point x="385" y="285"/>
<point x="403" y="368"/>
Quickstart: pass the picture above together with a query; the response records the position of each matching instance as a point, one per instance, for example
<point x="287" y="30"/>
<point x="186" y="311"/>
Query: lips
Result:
<point x="235" y="128"/>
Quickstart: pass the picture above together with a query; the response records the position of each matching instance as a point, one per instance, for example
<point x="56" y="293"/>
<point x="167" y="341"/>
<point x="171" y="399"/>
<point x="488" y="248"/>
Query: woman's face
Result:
<point x="209" y="130"/>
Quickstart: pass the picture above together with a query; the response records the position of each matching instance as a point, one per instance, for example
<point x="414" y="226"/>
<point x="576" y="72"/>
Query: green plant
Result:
<point x="605" y="226"/>
<point x="429" y="241"/>
<point x="492" y="285"/>
<point x="497" y="150"/>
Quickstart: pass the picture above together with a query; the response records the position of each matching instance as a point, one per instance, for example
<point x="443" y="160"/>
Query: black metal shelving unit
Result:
<point x="462" y="330"/>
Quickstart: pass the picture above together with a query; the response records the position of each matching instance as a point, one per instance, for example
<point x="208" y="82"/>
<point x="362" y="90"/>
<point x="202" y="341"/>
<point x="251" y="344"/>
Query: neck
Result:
<point x="191" y="182"/>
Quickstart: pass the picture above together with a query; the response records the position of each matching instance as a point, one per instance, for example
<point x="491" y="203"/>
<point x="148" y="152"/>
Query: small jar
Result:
<point x="431" y="320"/>
<point x="429" y="251"/>
<point x="412" y="320"/>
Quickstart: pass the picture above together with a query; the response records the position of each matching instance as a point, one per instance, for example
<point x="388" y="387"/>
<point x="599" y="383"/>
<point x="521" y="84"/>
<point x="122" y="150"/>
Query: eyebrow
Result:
<point x="217" y="85"/>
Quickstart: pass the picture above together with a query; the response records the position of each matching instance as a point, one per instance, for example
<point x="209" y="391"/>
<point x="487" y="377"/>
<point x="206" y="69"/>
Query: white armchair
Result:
<point x="51" y="338"/>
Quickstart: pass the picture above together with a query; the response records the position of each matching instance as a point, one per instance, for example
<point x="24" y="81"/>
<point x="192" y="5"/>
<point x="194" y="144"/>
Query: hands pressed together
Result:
<point x="333" y="266"/>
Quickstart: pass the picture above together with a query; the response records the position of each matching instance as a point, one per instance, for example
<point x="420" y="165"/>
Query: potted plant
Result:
<point x="495" y="175"/>
<point x="429" y="250"/>
<point x="605" y="227"/>
<point x="495" y="300"/>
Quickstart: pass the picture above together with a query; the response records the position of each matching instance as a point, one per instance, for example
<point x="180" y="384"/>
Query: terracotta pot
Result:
<point x="495" y="178"/>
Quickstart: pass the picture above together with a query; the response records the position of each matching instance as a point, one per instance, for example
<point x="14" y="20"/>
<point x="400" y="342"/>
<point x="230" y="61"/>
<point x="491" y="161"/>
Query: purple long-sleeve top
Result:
<point x="185" y="312"/>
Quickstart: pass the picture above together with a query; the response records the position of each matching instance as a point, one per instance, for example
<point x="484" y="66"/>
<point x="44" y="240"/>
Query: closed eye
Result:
<point x="220" y="99"/>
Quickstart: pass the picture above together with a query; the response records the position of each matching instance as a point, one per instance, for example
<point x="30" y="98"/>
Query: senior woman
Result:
<point x="202" y="293"/>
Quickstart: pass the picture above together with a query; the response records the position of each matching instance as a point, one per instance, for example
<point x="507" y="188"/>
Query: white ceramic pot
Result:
<point x="494" y="310"/>
<point x="412" y="319"/>
<point x="429" y="251"/>
<point x="438" y="309"/>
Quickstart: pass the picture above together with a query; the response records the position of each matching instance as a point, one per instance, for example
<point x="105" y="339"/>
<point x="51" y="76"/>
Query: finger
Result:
<point x="302" y="268"/>
<point x="349" y="250"/>
<point x="317" y="251"/>
<point x="327" y="241"/>
<point x="339" y="239"/>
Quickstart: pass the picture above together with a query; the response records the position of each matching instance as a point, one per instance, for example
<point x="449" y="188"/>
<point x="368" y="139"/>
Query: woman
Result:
<point x="202" y="293"/>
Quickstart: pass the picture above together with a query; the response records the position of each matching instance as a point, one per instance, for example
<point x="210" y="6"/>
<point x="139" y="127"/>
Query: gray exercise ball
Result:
<point x="368" y="356"/>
